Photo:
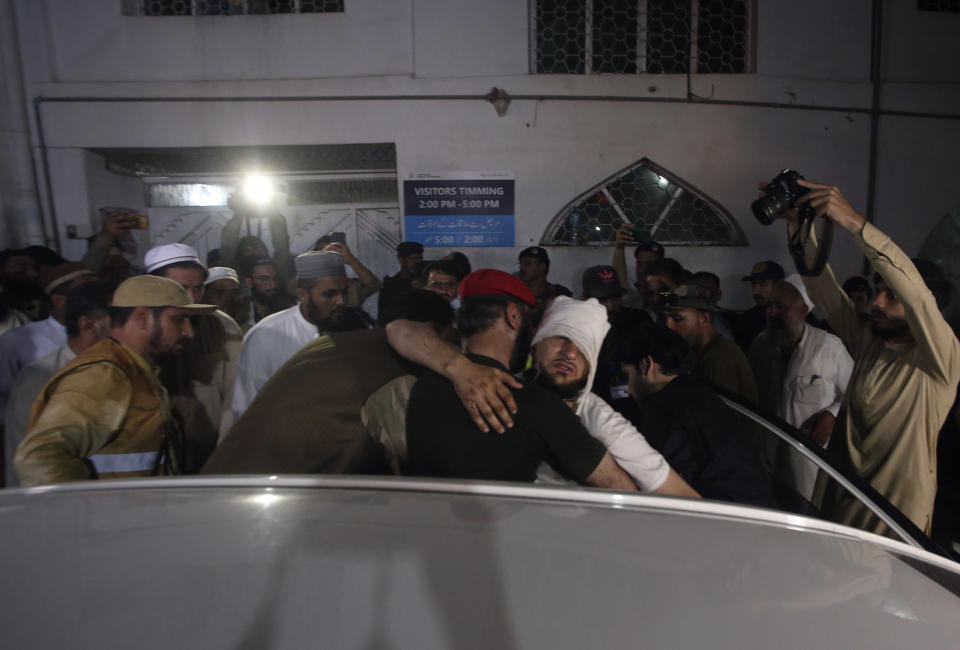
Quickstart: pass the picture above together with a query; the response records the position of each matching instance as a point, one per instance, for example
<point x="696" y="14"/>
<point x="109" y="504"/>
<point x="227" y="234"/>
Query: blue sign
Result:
<point x="459" y="209"/>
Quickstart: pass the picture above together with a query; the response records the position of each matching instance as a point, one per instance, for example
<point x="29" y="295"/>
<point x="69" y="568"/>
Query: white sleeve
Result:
<point x="251" y="366"/>
<point x="844" y="368"/>
<point x="648" y="468"/>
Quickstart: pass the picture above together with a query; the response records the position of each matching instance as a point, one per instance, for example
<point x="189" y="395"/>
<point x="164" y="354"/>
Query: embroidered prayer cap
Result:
<point x="319" y="264"/>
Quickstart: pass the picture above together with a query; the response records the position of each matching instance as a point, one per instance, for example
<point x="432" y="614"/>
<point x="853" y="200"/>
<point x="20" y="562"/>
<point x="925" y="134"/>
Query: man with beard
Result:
<point x="565" y="352"/>
<point x="690" y="309"/>
<point x="105" y="414"/>
<point x="321" y="290"/>
<point x="262" y="280"/>
<point x="906" y="369"/>
<point x="802" y="373"/>
<point x="442" y="438"/>
<point x="222" y="288"/>
<point x="200" y="381"/>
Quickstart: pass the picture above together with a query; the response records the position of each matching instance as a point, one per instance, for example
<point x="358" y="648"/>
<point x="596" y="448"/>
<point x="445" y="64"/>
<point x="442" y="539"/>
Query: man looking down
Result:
<point x="565" y="352"/>
<point x="442" y="439"/>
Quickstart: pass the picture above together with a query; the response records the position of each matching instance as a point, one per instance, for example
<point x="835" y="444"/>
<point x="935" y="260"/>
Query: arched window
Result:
<point x="662" y="206"/>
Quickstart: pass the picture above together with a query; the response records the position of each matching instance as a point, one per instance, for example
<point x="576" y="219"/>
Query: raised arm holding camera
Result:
<point x="907" y="363"/>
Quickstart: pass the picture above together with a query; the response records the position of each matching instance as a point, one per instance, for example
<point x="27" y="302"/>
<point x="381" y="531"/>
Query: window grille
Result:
<point x="230" y="7"/>
<point x="661" y="205"/>
<point x="948" y="6"/>
<point x="641" y="36"/>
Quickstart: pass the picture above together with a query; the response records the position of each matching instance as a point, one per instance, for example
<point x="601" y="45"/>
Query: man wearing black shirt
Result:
<point x="685" y="421"/>
<point x="442" y="439"/>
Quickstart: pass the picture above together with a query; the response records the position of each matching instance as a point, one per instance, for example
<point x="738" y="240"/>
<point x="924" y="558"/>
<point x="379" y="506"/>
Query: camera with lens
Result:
<point x="780" y="196"/>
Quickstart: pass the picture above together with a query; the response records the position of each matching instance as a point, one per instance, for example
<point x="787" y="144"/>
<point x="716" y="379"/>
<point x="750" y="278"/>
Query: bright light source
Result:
<point x="662" y="182"/>
<point x="265" y="500"/>
<point x="258" y="188"/>
<point x="596" y="227"/>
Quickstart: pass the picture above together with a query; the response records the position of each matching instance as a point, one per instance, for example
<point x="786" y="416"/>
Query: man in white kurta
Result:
<point x="802" y="373"/>
<point x="321" y="291"/>
<point x="29" y="342"/>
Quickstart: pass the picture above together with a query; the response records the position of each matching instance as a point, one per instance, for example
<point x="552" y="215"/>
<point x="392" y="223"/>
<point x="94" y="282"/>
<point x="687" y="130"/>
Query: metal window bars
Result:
<point x="641" y="36"/>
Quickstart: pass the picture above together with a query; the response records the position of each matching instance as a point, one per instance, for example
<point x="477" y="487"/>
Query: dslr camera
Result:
<point x="779" y="197"/>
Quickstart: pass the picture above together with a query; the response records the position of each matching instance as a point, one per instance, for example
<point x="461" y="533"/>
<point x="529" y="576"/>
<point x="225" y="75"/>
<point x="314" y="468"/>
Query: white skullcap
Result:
<point x="221" y="273"/>
<point x="797" y="281"/>
<point x="582" y="321"/>
<point x="161" y="256"/>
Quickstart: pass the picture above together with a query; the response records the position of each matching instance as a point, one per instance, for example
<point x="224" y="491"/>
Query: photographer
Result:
<point x="234" y="249"/>
<point x="906" y="369"/>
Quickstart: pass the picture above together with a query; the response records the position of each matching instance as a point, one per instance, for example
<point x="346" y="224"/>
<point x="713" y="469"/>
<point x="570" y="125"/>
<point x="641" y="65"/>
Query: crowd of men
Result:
<point x="268" y="364"/>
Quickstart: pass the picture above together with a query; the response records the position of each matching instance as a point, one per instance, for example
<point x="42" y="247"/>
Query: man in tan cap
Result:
<point x="105" y="414"/>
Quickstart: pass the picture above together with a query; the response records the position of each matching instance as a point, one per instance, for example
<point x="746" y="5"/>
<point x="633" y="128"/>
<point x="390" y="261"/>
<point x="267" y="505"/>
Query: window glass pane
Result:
<point x="614" y="36"/>
<point x="668" y="36"/>
<point x="652" y="199"/>
<point x="721" y="36"/>
<point x="561" y="29"/>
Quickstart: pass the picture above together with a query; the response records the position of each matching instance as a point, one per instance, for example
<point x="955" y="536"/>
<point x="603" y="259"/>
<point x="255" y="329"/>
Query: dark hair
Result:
<point x="479" y="314"/>
<point x="43" y="256"/>
<point x="857" y="283"/>
<point x="120" y="315"/>
<point x="7" y="253"/>
<point x="443" y="266"/>
<point x="633" y="344"/>
<point x="462" y="262"/>
<point x="251" y="262"/>
<point x="936" y="280"/>
<point x="249" y="240"/>
<point x="419" y="305"/>
<point x="192" y="266"/>
<point x="321" y="242"/>
<point x="713" y="278"/>
<point x="670" y="268"/>
<point x="213" y="257"/>
<point x="87" y="299"/>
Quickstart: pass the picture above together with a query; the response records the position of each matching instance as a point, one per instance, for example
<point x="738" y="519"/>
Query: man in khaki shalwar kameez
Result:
<point x="907" y="364"/>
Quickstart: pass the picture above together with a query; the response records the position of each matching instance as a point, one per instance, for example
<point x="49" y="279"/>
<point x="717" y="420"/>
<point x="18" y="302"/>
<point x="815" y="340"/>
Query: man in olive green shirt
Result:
<point x="689" y="309"/>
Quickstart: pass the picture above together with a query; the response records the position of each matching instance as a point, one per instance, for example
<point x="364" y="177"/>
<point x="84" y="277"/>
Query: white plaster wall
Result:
<point x="817" y="54"/>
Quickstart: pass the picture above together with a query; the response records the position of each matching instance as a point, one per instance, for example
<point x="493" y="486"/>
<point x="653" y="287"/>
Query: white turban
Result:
<point x="582" y="321"/>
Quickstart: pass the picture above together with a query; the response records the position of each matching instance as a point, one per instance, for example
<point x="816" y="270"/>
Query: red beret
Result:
<point x="491" y="283"/>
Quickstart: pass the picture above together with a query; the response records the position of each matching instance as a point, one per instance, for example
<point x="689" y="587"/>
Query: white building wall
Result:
<point x="403" y="54"/>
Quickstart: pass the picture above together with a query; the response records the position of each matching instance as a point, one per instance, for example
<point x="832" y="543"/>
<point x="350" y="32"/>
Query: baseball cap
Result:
<point x="154" y="291"/>
<point x="55" y="276"/>
<point x="766" y="270"/>
<point x="689" y="295"/>
<point x="160" y="256"/>
<point x="601" y="282"/>
<point x="491" y="283"/>
<point x="535" y="252"/>
<point x="649" y="245"/>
